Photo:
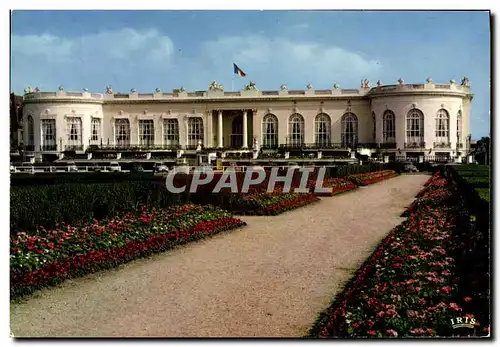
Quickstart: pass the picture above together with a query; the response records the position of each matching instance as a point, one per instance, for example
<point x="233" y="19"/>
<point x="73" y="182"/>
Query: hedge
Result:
<point x="32" y="206"/>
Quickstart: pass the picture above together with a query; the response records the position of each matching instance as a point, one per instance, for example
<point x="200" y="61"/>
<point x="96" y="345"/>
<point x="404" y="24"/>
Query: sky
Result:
<point x="146" y="50"/>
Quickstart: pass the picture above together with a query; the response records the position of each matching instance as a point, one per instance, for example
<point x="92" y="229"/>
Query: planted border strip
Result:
<point x="419" y="277"/>
<point x="48" y="257"/>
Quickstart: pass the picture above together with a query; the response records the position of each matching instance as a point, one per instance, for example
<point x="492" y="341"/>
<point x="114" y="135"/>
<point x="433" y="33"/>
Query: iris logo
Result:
<point x="463" y="322"/>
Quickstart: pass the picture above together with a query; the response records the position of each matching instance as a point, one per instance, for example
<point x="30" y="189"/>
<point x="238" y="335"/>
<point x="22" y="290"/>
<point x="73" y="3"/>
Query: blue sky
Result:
<point x="170" y="49"/>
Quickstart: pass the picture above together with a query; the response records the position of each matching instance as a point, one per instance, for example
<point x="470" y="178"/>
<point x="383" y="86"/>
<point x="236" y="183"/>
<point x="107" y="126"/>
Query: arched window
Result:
<point x="459" y="128"/>
<point x="195" y="131"/>
<point x="122" y="132"/>
<point x="415" y="127"/>
<point x="374" y="127"/>
<point x="296" y="130"/>
<point x="74" y="132"/>
<point x="442" y="126"/>
<point x="349" y="135"/>
<point x="171" y="132"/>
<point x="389" y="128"/>
<point x="146" y="132"/>
<point x="49" y="134"/>
<point x="30" y="131"/>
<point x="96" y="131"/>
<point x="270" y="131"/>
<point x="322" y="129"/>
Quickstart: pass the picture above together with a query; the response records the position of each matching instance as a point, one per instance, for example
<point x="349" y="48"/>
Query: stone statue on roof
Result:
<point x="309" y="86"/>
<point x="109" y="90"/>
<point x="283" y="87"/>
<point x="465" y="82"/>
<point x="365" y="84"/>
<point x="216" y="86"/>
<point x="251" y="86"/>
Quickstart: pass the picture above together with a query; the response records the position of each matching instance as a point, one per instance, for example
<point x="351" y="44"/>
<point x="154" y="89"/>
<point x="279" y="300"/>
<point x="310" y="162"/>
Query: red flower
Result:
<point x="372" y="332"/>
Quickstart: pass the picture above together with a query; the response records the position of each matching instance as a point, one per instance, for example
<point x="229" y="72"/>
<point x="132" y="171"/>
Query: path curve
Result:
<point x="268" y="279"/>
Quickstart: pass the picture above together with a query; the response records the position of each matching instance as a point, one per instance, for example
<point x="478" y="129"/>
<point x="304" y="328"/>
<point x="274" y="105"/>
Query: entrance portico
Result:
<point x="232" y="128"/>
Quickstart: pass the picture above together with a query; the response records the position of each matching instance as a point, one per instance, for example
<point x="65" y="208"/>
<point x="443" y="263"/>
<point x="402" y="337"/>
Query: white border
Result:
<point x="212" y="5"/>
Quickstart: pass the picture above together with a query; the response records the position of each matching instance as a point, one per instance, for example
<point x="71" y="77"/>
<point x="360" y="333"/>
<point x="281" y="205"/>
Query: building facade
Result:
<point x="401" y="118"/>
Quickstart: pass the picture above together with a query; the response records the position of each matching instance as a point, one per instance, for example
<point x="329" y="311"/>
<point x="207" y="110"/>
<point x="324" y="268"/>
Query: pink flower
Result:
<point x="446" y="290"/>
<point x="418" y="331"/>
<point x="412" y="314"/>
<point x="390" y="312"/>
<point x="391" y="332"/>
<point x="380" y="314"/>
<point x="454" y="307"/>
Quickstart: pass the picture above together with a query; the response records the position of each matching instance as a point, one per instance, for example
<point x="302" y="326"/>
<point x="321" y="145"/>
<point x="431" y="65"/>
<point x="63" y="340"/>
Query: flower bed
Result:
<point x="414" y="283"/>
<point x="262" y="203"/>
<point x="338" y="185"/>
<point x="364" y="179"/>
<point x="47" y="257"/>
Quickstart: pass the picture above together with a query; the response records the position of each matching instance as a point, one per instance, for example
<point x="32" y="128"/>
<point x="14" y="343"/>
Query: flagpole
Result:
<point x="232" y="83"/>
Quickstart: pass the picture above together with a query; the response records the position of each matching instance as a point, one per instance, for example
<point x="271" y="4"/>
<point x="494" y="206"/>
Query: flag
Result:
<point x="238" y="71"/>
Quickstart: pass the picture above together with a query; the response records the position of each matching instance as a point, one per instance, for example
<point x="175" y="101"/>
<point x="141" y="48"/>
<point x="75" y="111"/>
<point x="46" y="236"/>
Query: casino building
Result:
<point x="404" y="120"/>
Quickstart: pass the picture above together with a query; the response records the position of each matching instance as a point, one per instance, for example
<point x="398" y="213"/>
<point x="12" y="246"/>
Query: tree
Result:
<point x="482" y="153"/>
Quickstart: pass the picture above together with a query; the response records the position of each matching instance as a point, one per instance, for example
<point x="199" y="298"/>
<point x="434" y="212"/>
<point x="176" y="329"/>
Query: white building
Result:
<point x="407" y="119"/>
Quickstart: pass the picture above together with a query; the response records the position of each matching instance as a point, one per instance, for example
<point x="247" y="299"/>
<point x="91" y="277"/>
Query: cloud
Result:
<point x="273" y="61"/>
<point x="117" y="45"/>
<point x="117" y="55"/>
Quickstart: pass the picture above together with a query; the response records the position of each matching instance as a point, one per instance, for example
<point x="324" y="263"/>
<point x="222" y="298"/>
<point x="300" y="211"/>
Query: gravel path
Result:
<point x="269" y="279"/>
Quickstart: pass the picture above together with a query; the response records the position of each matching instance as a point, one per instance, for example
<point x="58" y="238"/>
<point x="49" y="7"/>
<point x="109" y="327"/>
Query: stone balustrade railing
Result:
<point x="177" y="94"/>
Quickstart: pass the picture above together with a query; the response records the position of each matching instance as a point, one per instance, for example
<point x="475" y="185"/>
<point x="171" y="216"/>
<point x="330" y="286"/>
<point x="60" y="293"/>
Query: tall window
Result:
<point x="31" y="131"/>
<point x="195" y="131"/>
<point x="270" y="131"/>
<point x="349" y="135"/>
<point x="48" y="133"/>
<point x="74" y="131"/>
<point x="171" y="132"/>
<point x="322" y="129"/>
<point x="296" y="129"/>
<point x="146" y="132"/>
<point x="442" y="126"/>
<point x="459" y="127"/>
<point x="415" y="126"/>
<point x="122" y="132"/>
<point x="389" y="128"/>
<point x="96" y="131"/>
<point x="374" y="127"/>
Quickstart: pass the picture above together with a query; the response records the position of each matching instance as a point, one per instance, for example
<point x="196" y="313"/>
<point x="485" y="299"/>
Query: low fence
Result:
<point x="61" y="177"/>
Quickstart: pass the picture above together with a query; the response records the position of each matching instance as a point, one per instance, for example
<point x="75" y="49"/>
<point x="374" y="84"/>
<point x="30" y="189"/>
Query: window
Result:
<point x="349" y="135"/>
<point x="296" y="129"/>
<point x="74" y="131"/>
<point x="442" y="126"/>
<point x="459" y="127"/>
<point x="146" y="132"/>
<point x="171" y="132"/>
<point x="31" y="131"/>
<point x="415" y="126"/>
<point x="122" y="132"/>
<point x="270" y="131"/>
<point x="96" y="130"/>
<point x="322" y="129"/>
<point x="48" y="132"/>
<point x="195" y="131"/>
<point x="389" y="127"/>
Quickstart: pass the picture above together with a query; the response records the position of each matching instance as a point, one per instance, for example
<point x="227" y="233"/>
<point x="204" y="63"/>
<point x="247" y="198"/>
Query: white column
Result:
<point x="245" y="130"/>
<point x="219" y="130"/>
